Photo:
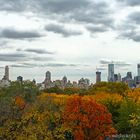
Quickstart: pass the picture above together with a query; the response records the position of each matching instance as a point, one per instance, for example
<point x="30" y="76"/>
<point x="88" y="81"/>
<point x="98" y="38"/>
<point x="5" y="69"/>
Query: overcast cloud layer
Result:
<point x="69" y="37"/>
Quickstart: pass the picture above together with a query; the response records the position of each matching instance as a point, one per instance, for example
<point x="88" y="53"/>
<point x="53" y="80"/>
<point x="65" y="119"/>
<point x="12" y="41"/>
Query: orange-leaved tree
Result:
<point x="19" y="101"/>
<point x="87" y="119"/>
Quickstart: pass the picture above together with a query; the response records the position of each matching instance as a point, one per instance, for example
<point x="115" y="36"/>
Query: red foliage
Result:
<point x="88" y="119"/>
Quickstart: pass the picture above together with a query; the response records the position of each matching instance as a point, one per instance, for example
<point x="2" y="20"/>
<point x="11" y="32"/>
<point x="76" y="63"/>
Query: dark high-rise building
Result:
<point x="110" y="72"/>
<point x="64" y="81"/>
<point x="20" y="78"/>
<point x="48" y="76"/>
<point x="129" y="75"/>
<point x="137" y="80"/>
<point x="98" y="76"/>
<point x="115" y="77"/>
<point x="138" y="69"/>
<point x="47" y="81"/>
<point x="128" y="79"/>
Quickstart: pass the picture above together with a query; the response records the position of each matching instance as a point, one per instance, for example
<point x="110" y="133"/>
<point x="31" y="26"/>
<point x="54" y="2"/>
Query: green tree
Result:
<point x="128" y="107"/>
<point x="108" y="87"/>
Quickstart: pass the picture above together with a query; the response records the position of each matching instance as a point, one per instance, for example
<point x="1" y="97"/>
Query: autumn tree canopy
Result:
<point x="88" y="119"/>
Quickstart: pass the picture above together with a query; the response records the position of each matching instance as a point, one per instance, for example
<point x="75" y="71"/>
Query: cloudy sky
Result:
<point x="69" y="37"/>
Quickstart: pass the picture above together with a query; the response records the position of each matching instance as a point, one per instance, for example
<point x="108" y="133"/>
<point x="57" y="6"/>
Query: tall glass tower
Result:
<point x="110" y="72"/>
<point x="138" y="68"/>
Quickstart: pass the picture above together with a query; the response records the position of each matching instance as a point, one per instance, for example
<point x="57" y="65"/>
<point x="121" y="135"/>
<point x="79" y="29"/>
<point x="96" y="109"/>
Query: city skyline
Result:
<point x="112" y="76"/>
<point x="72" y="38"/>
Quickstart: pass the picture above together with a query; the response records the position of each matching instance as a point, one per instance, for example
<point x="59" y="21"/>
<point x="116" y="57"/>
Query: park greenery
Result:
<point x="102" y="111"/>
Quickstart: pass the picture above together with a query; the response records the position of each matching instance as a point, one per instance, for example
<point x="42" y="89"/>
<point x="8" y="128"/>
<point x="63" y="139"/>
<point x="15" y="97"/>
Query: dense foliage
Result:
<point x="88" y="119"/>
<point x="75" y="114"/>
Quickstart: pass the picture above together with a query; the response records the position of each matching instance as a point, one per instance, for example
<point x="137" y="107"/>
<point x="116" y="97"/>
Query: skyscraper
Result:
<point x="137" y="78"/>
<point x="48" y="76"/>
<point x="98" y="76"/>
<point x="110" y="72"/>
<point x="64" y="81"/>
<point x="115" y="77"/>
<point x="119" y="77"/>
<point x="19" y="78"/>
<point x="6" y="76"/>
<point x="138" y="68"/>
<point x="129" y="75"/>
<point x="47" y="81"/>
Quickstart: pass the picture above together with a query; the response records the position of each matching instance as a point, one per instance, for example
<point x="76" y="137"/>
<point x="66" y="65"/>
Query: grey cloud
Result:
<point x="51" y="6"/>
<point x="23" y="57"/>
<point x="32" y="65"/>
<point x="136" y="37"/>
<point x="130" y="27"/>
<point x="101" y="68"/>
<point x="130" y="2"/>
<point x="127" y="25"/>
<point x="59" y="29"/>
<point x="78" y="10"/>
<point x="105" y="61"/>
<point x="95" y="13"/>
<point x="13" y="57"/>
<point x="37" y="51"/>
<point x="75" y="11"/>
<point x="29" y="64"/>
<point x="60" y="65"/>
<point x="13" y="5"/>
<point x="72" y="65"/>
<point x="122" y="64"/>
<point x="15" y="34"/>
<point x="37" y="58"/>
<point x="134" y="17"/>
<point x="20" y="66"/>
<point x="97" y="29"/>
<point x="131" y="35"/>
<point x="61" y="6"/>
<point x="117" y="63"/>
